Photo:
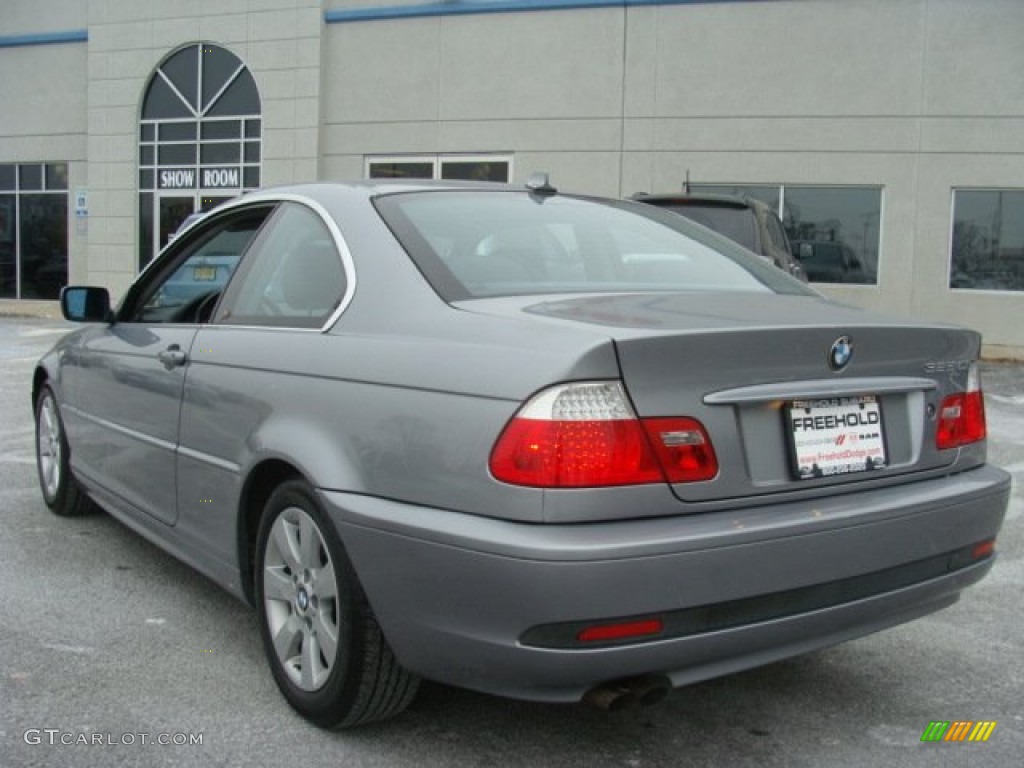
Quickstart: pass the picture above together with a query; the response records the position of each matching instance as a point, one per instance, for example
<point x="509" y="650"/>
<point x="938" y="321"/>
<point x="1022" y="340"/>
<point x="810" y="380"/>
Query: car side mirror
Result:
<point x="86" y="304"/>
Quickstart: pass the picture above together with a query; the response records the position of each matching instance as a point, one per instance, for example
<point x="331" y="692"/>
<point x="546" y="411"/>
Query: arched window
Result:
<point x="199" y="140"/>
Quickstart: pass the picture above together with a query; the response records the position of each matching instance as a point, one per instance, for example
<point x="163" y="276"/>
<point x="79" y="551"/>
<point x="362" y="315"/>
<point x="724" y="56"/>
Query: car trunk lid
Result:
<point x="751" y="366"/>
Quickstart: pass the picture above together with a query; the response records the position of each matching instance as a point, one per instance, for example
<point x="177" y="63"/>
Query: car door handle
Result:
<point x="172" y="357"/>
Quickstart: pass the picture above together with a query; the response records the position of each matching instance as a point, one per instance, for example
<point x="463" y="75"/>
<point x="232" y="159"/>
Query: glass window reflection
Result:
<point x="834" y="232"/>
<point x="988" y="240"/>
<point x="44" y="245"/>
<point x="8" y="249"/>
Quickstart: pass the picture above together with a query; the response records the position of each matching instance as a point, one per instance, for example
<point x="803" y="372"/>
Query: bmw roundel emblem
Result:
<point x="840" y="354"/>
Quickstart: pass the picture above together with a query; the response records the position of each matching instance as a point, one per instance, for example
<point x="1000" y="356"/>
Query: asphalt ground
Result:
<point x="104" y="638"/>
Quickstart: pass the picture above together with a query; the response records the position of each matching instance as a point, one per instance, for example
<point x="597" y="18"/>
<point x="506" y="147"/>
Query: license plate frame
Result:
<point x="835" y="436"/>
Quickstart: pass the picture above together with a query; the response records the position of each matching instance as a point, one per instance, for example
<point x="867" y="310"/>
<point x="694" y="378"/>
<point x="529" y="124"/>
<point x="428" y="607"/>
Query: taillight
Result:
<point x="683" y="449"/>
<point x="962" y="415"/>
<point x="586" y="435"/>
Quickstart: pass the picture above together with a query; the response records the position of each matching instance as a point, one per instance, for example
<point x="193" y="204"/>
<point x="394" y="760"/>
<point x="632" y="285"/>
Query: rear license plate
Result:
<point x="204" y="274"/>
<point x="836" y="436"/>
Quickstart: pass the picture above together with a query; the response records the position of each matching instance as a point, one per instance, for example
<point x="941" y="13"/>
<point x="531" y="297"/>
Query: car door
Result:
<point x="131" y="373"/>
<point x="246" y="378"/>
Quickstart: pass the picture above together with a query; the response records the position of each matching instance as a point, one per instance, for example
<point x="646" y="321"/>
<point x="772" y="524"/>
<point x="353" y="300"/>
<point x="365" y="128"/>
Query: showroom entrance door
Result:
<point x="200" y="140"/>
<point x="172" y="208"/>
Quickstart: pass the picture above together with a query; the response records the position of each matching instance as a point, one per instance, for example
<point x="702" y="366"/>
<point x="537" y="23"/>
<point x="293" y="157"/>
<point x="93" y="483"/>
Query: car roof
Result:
<point x="374" y="187"/>
<point x="324" y="192"/>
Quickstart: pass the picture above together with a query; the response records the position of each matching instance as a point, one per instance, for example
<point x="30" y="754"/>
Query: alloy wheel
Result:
<point x="300" y="597"/>
<point x="48" y="446"/>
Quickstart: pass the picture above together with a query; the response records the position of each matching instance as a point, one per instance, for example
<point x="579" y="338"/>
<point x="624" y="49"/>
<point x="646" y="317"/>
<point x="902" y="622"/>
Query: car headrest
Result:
<point x="315" y="278"/>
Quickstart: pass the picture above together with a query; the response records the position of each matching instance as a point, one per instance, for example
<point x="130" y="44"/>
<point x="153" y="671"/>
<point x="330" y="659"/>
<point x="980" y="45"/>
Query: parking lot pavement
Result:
<point x="105" y="638"/>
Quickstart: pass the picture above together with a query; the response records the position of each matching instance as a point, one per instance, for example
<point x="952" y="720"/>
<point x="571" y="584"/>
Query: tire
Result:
<point x="61" y="491"/>
<point x="325" y="648"/>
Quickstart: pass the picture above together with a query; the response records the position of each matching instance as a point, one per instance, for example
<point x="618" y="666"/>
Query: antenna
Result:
<point x="539" y="185"/>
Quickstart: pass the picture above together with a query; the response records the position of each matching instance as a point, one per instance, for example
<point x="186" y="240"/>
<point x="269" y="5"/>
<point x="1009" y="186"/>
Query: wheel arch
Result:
<point x="40" y="377"/>
<point x="259" y="484"/>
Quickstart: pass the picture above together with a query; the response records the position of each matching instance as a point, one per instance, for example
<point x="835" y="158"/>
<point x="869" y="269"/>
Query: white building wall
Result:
<point x="43" y="100"/>
<point x="536" y="84"/>
<point x="914" y="96"/>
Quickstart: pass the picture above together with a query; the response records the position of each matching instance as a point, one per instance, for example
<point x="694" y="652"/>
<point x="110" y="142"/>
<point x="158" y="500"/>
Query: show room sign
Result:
<point x="208" y="178"/>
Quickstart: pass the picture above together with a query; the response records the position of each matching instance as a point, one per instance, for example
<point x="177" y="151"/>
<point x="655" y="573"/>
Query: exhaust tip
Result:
<point x="610" y="698"/>
<point x="654" y="694"/>
<point x="624" y="694"/>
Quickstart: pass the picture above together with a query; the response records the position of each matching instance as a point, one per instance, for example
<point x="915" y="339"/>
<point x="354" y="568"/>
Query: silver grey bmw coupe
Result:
<point x="545" y="446"/>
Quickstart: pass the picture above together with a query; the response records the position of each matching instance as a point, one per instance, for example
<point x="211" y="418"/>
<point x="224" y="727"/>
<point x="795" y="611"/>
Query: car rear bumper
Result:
<point x="456" y="593"/>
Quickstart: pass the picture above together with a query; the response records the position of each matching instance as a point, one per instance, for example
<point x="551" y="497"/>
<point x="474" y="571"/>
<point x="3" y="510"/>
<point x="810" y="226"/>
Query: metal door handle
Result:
<point x="172" y="357"/>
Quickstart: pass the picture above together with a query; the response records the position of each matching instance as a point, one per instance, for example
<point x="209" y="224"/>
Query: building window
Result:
<point x="987" y="245"/>
<point x="199" y="140"/>
<point x="33" y="230"/>
<point x="834" y="231"/>
<point x="455" y="167"/>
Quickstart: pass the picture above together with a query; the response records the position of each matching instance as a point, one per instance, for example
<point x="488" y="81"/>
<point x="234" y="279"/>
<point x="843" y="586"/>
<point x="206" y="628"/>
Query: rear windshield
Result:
<point x="738" y="224"/>
<point x="504" y="243"/>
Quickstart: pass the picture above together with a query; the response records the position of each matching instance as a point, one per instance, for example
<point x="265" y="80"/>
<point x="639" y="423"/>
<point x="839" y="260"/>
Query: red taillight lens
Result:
<point x="573" y="454"/>
<point x="586" y="435"/>
<point x="683" y="449"/>
<point x="962" y="416"/>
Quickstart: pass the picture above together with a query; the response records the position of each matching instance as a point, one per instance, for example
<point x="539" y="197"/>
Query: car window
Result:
<point x="738" y="224"/>
<point x="185" y="285"/>
<point x="292" y="278"/>
<point x="509" y="243"/>
<point x="777" y="233"/>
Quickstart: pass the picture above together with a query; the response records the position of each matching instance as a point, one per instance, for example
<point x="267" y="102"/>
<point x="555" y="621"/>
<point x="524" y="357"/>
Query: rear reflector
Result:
<point x="586" y="435"/>
<point x="983" y="549"/>
<point x="602" y="633"/>
<point x="962" y="415"/>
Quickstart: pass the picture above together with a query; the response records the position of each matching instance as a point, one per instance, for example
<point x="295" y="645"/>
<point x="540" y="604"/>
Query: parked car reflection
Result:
<point x="829" y="262"/>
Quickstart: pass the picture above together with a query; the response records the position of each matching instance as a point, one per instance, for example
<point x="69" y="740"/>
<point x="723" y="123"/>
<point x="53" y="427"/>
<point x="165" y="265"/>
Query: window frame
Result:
<point x="436" y="161"/>
<point x="275" y="200"/>
<point x="161" y="269"/>
<point x="198" y="117"/>
<point x="950" y="242"/>
<point x="246" y="265"/>
<point x="16" y="191"/>
<point x="452" y="288"/>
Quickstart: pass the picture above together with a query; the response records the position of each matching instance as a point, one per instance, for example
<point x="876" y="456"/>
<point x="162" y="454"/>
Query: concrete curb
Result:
<point x="25" y="308"/>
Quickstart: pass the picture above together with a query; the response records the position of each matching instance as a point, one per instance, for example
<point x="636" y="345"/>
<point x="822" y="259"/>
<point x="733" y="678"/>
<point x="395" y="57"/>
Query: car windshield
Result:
<point x="738" y="224"/>
<point x="502" y="243"/>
